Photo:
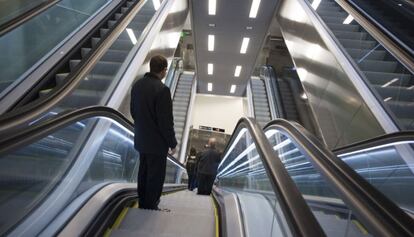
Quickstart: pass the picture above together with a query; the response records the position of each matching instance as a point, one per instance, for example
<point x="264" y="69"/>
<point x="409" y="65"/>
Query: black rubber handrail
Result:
<point x="376" y="141"/>
<point x="381" y="216"/>
<point x="42" y="129"/>
<point x="25" y="16"/>
<point x="299" y="217"/>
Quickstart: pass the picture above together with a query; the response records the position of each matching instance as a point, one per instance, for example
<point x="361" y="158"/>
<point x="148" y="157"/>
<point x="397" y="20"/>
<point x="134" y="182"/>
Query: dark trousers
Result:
<point x="205" y="183"/>
<point x="151" y="176"/>
<point x="192" y="179"/>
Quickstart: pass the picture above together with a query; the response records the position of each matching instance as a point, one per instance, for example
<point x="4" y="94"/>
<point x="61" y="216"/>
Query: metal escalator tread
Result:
<point x="376" y="63"/>
<point x="181" y="102"/>
<point x="187" y="210"/>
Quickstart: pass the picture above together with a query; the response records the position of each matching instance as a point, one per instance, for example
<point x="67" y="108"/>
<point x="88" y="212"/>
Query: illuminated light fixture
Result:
<point x="249" y="27"/>
<point x="244" y="45"/>
<point x="348" y="20"/>
<point x="410" y="88"/>
<point x="210" y="42"/>
<point x="387" y="99"/>
<point x="315" y="4"/>
<point x="210" y="86"/>
<point x="254" y="8"/>
<point x="304" y="96"/>
<point x="210" y="69"/>
<point x="390" y="82"/>
<point x="233" y="89"/>
<point x="212" y="25"/>
<point x="237" y="71"/>
<point x="156" y="4"/>
<point x="212" y="7"/>
<point x="131" y="35"/>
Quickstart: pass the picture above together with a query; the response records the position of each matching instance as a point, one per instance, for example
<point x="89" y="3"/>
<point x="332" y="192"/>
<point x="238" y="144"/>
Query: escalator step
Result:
<point x="124" y="9"/>
<point x="396" y="92"/>
<point x="60" y="78"/>
<point x="378" y="66"/>
<point x="380" y="78"/>
<point x="358" y="44"/>
<point x="401" y="109"/>
<point x="73" y="64"/>
<point x="342" y="27"/>
<point x="350" y="35"/>
<point x="85" y="51"/>
<point x="362" y="53"/>
<point x="125" y="45"/>
<point x="114" y="56"/>
<point x="331" y="14"/>
<point x="95" y="41"/>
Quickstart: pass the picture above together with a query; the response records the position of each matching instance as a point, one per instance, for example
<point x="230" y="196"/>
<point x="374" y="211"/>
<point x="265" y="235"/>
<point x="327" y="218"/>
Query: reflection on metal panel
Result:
<point x="336" y="102"/>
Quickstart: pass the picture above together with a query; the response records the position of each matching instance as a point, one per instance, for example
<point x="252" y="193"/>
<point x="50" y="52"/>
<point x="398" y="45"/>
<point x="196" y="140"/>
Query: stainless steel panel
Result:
<point x="337" y="104"/>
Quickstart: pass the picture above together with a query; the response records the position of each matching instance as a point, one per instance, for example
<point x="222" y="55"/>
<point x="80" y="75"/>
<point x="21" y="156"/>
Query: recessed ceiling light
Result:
<point x="210" y="42"/>
<point x="232" y="89"/>
<point x="254" y="8"/>
<point x="212" y="25"/>
<point x="237" y="71"/>
<point x="156" y="4"/>
<point x="210" y="86"/>
<point x="210" y="69"/>
<point x="315" y="4"/>
<point x="244" y="45"/>
<point x="131" y="35"/>
<point x="212" y="7"/>
<point x="348" y="20"/>
<point x="249" y="27"/>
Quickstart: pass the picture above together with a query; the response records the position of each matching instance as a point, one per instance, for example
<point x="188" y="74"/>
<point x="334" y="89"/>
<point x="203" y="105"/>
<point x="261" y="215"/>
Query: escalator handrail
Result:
<point x="299" y="217"/>
<point x="12" y="121"/>
<point x="42" y="129"/>
<point x="376" y="141"/>
<point x="374" y="209"/>
<point x="26" y="16"/>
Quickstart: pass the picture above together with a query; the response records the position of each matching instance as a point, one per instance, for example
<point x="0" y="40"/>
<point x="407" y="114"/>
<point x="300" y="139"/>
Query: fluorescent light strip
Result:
<point x="315" y="4"/>
<point x="242" y="164"/>
<point x="375" y="148"/>
<point x="210" y="86"/>
<point x="210" y="69"/>
<point x="239" y="157"/>
<point x="390" y="82"/>
<point x="244" y="45"/>
<point x="387" y="99"/>
<point x="156" y="4"/>
<point x="288" y="152"/>
<point x="348" y="20"/>
<point x="237" y="71"/>
<point x="233" y="89"/>
<point x="410" y="88"/>
<point x="254" y="8"/>
<point x="212" y="7"/>
<point x="210" y="42"/>
<point x="242" y="132"/>
<point x="131" y="35"/>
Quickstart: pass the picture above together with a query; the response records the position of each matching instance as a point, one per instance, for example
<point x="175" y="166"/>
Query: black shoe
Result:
<point x="163" y="209"/>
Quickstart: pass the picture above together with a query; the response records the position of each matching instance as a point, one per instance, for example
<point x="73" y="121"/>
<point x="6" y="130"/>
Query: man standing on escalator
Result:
<point x="151" y="109"/>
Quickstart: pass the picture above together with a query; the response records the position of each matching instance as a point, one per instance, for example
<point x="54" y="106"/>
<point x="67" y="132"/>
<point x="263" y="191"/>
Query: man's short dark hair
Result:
<point x="158" y="63"/>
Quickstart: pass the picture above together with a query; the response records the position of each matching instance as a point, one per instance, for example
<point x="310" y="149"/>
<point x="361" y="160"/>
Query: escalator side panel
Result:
<point x="336" y="102"/>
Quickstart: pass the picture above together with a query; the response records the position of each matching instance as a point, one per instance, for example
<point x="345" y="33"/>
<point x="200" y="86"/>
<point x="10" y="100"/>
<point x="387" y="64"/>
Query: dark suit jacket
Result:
<point x="151" y="109"/>
<point x="208" y="162"/>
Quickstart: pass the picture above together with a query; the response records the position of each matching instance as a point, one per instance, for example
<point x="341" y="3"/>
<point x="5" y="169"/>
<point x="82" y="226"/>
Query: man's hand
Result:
<point x="172" y="151"/>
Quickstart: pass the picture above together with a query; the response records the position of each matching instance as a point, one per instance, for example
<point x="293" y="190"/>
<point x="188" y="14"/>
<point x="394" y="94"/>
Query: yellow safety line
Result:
<point x="360" y="227"/>
<point x="216" y="219"/>
<point x="120" y="218"/>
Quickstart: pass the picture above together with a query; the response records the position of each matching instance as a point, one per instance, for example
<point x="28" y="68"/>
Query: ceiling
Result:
<point x="231" y="22"/>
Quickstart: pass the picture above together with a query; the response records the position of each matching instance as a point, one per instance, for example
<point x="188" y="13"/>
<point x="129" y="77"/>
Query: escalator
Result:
<point x="181" y="103"/>
<point x="357" y="77"/>
<point x="84" y="183"/>
<point x="117" y="53"/>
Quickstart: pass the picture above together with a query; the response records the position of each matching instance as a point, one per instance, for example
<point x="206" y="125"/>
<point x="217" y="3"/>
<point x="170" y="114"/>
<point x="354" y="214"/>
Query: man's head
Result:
<point x="158" y="66"/>
<point x="212" y="142"/>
